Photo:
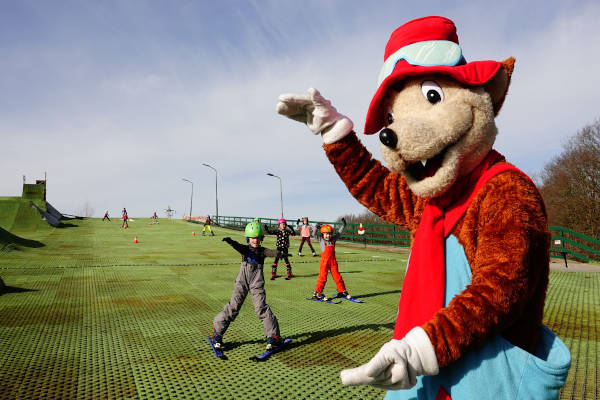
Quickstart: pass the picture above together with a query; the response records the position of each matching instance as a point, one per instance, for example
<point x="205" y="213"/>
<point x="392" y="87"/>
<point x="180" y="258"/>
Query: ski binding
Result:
<point x="218" y="352"/>
<point x="264" y="356"/>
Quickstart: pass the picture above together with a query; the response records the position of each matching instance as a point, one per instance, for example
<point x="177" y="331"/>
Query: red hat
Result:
<point x="426" y="31"/>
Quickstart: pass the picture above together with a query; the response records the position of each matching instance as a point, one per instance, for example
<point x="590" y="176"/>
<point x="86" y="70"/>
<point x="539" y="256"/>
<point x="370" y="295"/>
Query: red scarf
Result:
<point x="424" y="283"/>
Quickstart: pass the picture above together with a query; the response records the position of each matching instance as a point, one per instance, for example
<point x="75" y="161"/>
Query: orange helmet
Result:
<point x="326" y="229"/>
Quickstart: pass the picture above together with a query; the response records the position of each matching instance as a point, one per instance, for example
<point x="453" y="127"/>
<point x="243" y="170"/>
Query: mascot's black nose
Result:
<point x="388" y="138"/>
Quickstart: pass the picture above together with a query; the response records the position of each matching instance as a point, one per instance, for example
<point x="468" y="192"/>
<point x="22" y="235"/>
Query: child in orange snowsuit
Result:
<point x="327" y="238"/>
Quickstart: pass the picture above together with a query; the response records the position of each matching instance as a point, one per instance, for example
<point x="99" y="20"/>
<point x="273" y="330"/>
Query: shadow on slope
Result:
<point x="305" y="338"/>
<point x="66" y="225"/>
<point x="9" y="241"/>
<point x="362" y="296"/>
<point x="12" y="289"/>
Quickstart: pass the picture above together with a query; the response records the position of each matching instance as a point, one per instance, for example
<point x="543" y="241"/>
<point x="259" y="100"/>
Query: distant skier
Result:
<point x="207" y="224"/>
<point x="106" y="216"/>
<point x="125" y="225"/>
<point x="306" y="231"/>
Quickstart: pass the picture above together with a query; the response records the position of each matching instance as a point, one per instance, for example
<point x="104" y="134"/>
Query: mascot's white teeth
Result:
<point x="424" y="162"/>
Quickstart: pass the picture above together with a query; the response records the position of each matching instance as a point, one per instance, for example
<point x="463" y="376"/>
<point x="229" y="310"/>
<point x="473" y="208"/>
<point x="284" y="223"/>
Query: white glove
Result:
<point x="397" y="364"/>
<point x="317" y="113"/>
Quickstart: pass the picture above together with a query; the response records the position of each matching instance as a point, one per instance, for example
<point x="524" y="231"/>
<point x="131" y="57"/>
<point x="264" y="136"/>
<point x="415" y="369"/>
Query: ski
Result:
<point x="264" y="356"/>
<point x="324" y="301"/>
<point x="218" y="352"/>
<point x="352" y="299"/>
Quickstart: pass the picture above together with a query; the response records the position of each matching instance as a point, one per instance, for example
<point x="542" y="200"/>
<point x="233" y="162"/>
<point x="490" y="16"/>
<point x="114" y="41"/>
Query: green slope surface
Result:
<point x="93" y="315"/>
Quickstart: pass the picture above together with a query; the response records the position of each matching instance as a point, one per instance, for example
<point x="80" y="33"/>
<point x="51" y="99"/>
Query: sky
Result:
<point x="117" y="101"/>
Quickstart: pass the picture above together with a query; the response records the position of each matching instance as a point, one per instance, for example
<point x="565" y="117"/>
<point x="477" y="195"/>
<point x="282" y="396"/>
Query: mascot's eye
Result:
<point x="390" y="117"/>
<point x="432" y="92"/>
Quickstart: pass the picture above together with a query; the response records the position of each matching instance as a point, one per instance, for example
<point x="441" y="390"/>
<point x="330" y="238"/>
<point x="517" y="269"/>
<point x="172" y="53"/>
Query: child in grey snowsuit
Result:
<point x="249" y="279"/>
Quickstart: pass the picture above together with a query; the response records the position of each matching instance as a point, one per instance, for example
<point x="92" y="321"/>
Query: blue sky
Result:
<point x="118" y="100"/>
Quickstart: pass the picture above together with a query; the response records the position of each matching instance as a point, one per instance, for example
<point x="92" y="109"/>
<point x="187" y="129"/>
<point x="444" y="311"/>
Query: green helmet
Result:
<point x="253" y="229"/>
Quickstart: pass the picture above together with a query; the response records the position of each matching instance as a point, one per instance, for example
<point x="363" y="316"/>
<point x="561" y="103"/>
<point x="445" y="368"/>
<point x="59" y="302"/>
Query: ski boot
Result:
<point x="319" y="296"/>
<point x="217" y="340"/>
<point x="273" y="272"/>
<point x="273" y="341"/>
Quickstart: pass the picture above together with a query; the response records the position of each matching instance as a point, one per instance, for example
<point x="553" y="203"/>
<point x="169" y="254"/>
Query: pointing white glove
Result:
<point x="317" y="113"/>
<point x="397" y="364"/>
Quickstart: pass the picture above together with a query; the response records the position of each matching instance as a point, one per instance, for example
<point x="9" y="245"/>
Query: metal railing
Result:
<point x="373" y="234"/>
<point x="565" y="242"/>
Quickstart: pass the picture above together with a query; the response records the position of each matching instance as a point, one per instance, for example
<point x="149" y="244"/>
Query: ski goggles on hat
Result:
<point x="428" y="53"/>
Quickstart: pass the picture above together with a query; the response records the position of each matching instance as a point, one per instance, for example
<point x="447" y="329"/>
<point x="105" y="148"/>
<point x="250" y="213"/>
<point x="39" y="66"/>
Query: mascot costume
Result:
<point x="469" y="323"/>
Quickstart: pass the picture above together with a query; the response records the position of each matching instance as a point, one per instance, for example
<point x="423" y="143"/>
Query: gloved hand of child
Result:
<point x="397" y="364"/>
<point x="317" y="113"/>
<point x="227" y="239"/>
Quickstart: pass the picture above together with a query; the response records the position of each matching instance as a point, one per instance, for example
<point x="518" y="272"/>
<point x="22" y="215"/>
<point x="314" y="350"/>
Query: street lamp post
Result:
<point x="216" y="191"/>
<point x="280" y="191"/>
<point x="192" y="195"/>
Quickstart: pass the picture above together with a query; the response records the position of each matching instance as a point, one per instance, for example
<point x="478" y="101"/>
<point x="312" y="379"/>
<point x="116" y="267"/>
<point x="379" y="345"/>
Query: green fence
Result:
<point x="565" y="242"/>
<point x="568" y="243"/>
<point x="372" y="234"/>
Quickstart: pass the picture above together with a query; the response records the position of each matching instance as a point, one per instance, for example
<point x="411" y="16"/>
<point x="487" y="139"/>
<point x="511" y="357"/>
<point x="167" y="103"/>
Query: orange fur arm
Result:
<point x="506" y="240"/>
<point x="383" y="192"/>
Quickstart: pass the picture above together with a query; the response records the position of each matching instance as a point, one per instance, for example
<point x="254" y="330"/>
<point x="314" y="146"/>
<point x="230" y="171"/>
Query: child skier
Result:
<point x="327" y="239"/>
<point x="125" y="225"/>
<point x="306" y="231"/>
<point x="283" y="233"/>
<point x="207" y="224"/>
<point x="249" y="279"/>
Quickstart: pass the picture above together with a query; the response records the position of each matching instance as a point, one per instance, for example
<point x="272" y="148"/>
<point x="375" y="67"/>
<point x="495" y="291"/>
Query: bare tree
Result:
<point x="86" y="211"/>
<point x="570" y="183"/>
<point x="365" y="217"/>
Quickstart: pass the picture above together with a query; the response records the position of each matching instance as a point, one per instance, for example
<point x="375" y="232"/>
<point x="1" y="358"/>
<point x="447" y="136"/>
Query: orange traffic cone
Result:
<point x="135" y="240"/>
<point x="193" y="233"/>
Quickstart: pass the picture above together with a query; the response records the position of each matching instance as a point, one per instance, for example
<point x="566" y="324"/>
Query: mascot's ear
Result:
<point x="497" y="87"/>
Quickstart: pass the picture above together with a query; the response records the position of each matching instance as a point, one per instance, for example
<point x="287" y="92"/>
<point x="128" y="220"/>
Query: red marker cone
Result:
<point x="135" y="240"/>
<point x="193" y="233"/>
